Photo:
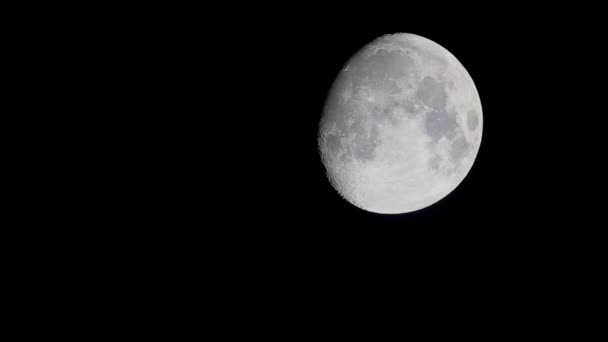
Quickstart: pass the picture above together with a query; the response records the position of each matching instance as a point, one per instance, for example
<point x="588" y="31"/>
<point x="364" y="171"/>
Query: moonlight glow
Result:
<point x="401" y="126"/>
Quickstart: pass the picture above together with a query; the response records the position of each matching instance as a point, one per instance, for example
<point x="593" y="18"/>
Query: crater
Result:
<point x="339" y="112"/>
<point x="364" y="146"/>
<point x="333" y="142"/>
<point x="387" y="113"/>
<point x="409" y="107"/>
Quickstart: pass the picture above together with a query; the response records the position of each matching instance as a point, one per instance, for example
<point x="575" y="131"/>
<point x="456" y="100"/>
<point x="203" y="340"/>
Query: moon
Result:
<point x="401" y="126"/>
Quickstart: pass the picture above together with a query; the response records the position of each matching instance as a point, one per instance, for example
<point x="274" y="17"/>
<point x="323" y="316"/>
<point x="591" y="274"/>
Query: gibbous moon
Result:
<point x="401" y="125"/>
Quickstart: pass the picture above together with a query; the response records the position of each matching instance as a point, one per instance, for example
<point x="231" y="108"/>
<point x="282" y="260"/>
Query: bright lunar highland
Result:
<point x="401" y="125"/>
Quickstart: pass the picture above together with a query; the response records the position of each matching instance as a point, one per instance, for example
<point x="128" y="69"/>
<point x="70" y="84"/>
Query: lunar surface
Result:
<point x="401" y="125"/>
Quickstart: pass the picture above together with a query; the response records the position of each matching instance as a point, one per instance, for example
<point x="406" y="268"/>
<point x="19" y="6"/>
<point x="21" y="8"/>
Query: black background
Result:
<point x="523" y="221"/>
<point x="178" y="147"/>
<point x="239" y="137"/>
<point x="206" y="119"/>
<point x="534" y="71"/>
